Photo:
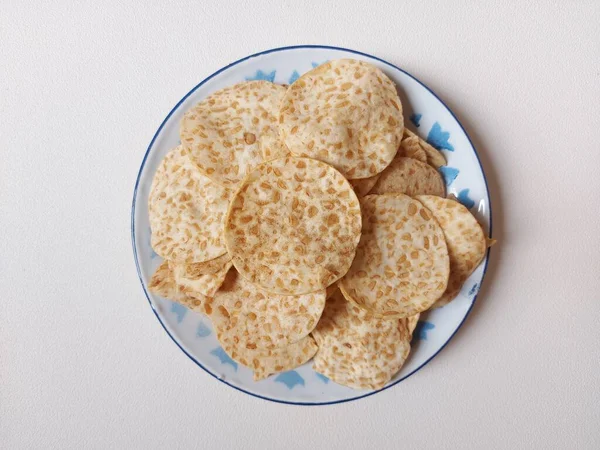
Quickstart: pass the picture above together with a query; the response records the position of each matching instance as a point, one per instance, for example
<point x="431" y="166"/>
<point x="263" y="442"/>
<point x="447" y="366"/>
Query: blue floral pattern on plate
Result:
<point x="291" y="379"/>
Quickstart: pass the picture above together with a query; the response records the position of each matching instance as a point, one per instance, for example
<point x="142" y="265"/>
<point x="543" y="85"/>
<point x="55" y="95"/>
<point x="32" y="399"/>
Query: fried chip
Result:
<point x="346" y="113"/>
<point x="411" y="148"/>
<point x="253" y="318"/>
<point x="163" y="283"/>
<point x="263" y="362"/>
<point x="401" y="266"/>
<point x="228" y="132"/>
<point x="412" y="322"/>
<point x="186" y="211"/>
<point x="363" y="186"/>
<point x="293" y="226"/>
<point x="411" y="177"/>
<point x="205" y="277"/>
<point x="356" y="349"/>
<point x="435" y="158"/>
<point x="276" y="152"/>
<point x="465" y="239"/>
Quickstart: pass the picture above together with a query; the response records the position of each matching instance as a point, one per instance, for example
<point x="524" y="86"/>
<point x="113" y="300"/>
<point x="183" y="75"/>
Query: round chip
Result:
<point x="401" y="266"/>
<point x="258" y="319"/>
<point x="187" y="211"/>
<point x="465" y="239"/>
<point x="411" y="177"/>
<point x="356" y="349"/>
<point x="228" y="131"/>
<point x="363" y="186"/>
<point x="268" y="362"/>
<point x="293" y="226"/>
<point x="262" y="361"/>
<point x="346" y="113"/>
<point x="205" y="277"/>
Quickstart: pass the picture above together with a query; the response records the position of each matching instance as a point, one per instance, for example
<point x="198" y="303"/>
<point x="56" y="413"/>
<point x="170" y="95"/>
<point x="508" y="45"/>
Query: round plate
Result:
<point x="424" y="113"/>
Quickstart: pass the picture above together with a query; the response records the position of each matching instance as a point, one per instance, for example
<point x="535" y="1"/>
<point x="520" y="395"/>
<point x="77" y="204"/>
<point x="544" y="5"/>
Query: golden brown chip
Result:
<point x="356" y="349"/>
<point x="411" y="148"/>
<point x="465" y="239"/>
<point x="205" y="277"/>
<point x="186" y="211"/>
<point x="401" y="266"/>
<point x="412" y="322"/>
<point x="163" y="283"/>
<point x="228" y="132"/>
<point x="435" y="158"/>
<point x="263" y="362"/>
<point x="411" y="177"/>
<point x="363" y="186"/>
<point x="293" y="226"/>
<point x="269" y="153"/>
<point x="253" y="318"/>
<point x="346" y="113"/>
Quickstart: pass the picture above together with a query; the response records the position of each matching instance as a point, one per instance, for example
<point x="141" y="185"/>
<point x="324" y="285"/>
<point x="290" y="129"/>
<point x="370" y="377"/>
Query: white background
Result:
<point x="84" y="362"/>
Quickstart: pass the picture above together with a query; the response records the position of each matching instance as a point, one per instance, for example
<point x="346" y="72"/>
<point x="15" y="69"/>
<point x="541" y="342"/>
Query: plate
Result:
<point x="425" y="114"/>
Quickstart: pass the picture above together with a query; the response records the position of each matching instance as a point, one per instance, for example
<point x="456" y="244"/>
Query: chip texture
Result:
<point x="412" y="322"/>
<point x="163" y="283"/>
<point x="186" y="211"/>
<point x="411" y="177"/>
<point x="346" y="113"/>
<point x="263" y="362"/>
<point x="363" y="186"/>
<point x="275" y="152"/>
<point x="356" y="349"/>
<point x="228" y="132"/>
<point x="411" y="148"/>
<point x="257" y="319"/>
<point x="293" y="226"/>
<point x="435" y="158"/>
<point x="401" y="266"/>
<point x="465" y="239"/>
<point x="205" y="277"/>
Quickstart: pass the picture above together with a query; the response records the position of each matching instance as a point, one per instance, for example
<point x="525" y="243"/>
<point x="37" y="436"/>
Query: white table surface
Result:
<point x="85" y="364"/>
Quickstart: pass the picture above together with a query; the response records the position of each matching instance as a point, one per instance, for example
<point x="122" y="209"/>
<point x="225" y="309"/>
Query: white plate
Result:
<point x="425" y="114"/>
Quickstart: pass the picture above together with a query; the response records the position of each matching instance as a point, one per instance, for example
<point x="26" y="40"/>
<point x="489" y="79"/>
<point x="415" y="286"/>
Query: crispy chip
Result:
<point x="163" y="283"/>
<point x="411" y="177"/>
<point x="363" y="186"/>
<point x="268" y="362"/>
<point x="253" y="318"/>
<point x="293" y="226"/>
<point x="186" y="211"/>
<point x="205" y="277"/>
<point x="346" y="113"/>
<point x="465" y="239"/>
<point x="412" y="322"/>
<point x="411" y="148"/>
<point x="269" y="153"/>
<point x="356" y="349"/>
<point x="263" y="362"/>
<point x="401" y="265"/>
<point x="228" y="132"/>
<point x="435" y="158"/>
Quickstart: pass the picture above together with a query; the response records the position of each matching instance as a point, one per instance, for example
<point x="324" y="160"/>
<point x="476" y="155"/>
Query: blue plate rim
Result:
<point x="137" y="182"/>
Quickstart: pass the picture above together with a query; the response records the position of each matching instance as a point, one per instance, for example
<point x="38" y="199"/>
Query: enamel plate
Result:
<point x="425" y="114"/>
